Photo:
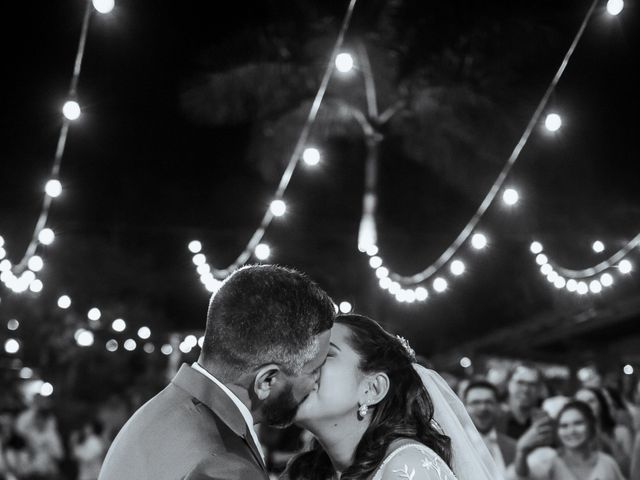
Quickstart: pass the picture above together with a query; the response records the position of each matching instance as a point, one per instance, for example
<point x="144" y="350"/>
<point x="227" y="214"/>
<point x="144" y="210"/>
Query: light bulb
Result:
<point x="103" y="6"/>
<point x="536" y="248"/>
<point x="71" y="110"/>
<point x="510" y="196"/>
<point x="46" y="236"/>
<point x="478" y="241"/>
<point x="344" y="62"/>
<point x="553" y="122"/>
<point x="53" y="188"/>
<point x="278" y="208"/>
<point x="262" y="251"/>
<point x="311" y="156"/>
<point x="614" y="7"/>
<point x="195" y="246"/>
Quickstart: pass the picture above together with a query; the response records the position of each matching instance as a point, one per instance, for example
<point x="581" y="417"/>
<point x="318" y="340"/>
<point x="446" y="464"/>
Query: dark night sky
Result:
<point x="141" y="178"/>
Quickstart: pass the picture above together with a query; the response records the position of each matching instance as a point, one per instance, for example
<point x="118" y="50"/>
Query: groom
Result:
<point x="267" y="336"/>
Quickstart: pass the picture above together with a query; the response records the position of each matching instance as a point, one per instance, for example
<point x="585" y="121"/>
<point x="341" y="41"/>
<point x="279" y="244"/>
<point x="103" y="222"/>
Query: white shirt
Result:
<point x="491" y="441"/>
<point x="246" y="414"/>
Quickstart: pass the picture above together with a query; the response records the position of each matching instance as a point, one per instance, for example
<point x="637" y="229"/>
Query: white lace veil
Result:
<point x="470" y="458"/>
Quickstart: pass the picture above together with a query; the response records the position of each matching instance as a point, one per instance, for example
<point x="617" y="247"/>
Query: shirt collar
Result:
<point x="246" y="414"/>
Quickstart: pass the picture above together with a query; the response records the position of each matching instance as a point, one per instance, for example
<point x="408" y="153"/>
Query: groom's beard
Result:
<point x="281" y="410"/>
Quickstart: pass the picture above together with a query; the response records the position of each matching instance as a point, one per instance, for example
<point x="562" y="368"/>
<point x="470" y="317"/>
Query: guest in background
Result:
<point x="577" y="456"/>
<point x="609" y="435"/>
<point x="88" y="449"/>
<point x="524" y="388"/>
<point x="481" y="401"/>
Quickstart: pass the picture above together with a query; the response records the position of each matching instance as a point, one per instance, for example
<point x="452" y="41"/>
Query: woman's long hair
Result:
<point x="405" y="412"/>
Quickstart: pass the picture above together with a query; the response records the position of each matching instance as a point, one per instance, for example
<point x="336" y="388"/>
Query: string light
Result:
<point x="166" y="349"/>
<point x="64" y="301"/>
<point x="119" y="325"/>
<point x="625" y="266"/>
<point x="71" y="110"/>
<point x="457" y="267"/>
<point x="440" y="284"/>
<point x="144" y="332"/>
<point x="103" y="6"/>
<point x="46" y="236"/>
<point x="46" y="389"/>
<point x="11" y="346"/>
<point x="598" y="246"/>
<point x="195" y="246"/>
<point x="13" y="324"/>
<point x="628" y="369"/>
<point x="311" y="156"/>
<point x="53" y="188"/>
<point x="130" y="344"/>
<point x="614" y="7"/>
<point x="345" y="307"/>
<point x="479" y="241"/>
<point x="94" y="314"/>
<point x="111" y="345"/>
<point x="553" y="122"/>
<point x="535" y="248"/>
<point x="278" y="208"/>
<point x="262" y="251"/>
<point x="344" y="62"/>
<point x="465" y="362"/>
<point x="510" y="196"/>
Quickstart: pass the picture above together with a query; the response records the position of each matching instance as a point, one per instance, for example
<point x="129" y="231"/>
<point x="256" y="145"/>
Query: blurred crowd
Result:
<point x="532" y="429"/>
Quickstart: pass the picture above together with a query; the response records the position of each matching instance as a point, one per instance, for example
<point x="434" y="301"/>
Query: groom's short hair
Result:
<point x="266" y="314"/>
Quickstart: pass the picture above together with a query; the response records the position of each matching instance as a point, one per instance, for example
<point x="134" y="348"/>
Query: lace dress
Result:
<point x="413" y="461"/>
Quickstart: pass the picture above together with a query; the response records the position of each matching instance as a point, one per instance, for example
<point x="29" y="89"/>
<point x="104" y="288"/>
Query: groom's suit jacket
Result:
<point x="191" y="428"/>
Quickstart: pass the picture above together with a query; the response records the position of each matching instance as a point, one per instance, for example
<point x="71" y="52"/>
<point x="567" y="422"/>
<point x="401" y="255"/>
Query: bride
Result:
<point x="375" y="414"/>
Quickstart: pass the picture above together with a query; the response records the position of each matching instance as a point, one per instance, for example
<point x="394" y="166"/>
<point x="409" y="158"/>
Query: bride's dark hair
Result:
<point x="405" y="412"/>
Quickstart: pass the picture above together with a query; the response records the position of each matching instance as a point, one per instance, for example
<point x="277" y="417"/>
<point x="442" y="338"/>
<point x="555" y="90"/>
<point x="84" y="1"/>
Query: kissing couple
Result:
<point x="275" y="352"/>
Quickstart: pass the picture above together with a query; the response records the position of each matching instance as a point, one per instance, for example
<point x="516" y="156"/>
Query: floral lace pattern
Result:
<point x="427" y="465"/>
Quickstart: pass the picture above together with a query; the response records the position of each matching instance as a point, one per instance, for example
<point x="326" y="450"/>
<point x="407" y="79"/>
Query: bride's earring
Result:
<point x="363" y="410"/>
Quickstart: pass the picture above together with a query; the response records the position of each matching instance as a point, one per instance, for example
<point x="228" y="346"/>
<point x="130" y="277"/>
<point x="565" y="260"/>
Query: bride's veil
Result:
<point x="471" y="459"/>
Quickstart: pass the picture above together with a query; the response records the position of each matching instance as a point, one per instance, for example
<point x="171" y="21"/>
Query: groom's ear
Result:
<point x="378" y="387"/>
<point x="265" y="379"/>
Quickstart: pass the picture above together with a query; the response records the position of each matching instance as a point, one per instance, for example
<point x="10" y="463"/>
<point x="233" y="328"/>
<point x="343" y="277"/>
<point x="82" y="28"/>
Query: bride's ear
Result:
<point x="265" y="379"/>
<point x="378" y="387"/>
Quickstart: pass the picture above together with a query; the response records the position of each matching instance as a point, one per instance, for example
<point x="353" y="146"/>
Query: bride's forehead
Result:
<point x="339" y="333"/>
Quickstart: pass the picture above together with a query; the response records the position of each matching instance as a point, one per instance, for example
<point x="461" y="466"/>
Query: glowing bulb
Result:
<point x="371" y="250"/>
<point x="71" y="110"/>
<point x="94" y="314"/>
<point x="35" y="263"/>
<point x="536" y="248"/>
<point x="103" y="6"/>
<point x="5" y="265"/>
<point x="201" y="341"/>
<point x="457" y="267"/>
<point x="144" y="332"/>
<point x="560" y="282"/>
<point x="572" y="285"/>
<point x="84" y="338"/>
<point x="53" y="188"/>
<point x="375" y="262"/>
<point x="191" y="340"/>
<point x="553" y="122"/>
<point x="344" y="62"/>
<point x="278" y="208"/>
<point x="478" y="241"/>
<point x="262" y="251"/>
<point x="598" y="246"/>
<point x="394" y="288"/>
<point x="595" y="286"/>
<point x="11" y="346"/>
<point x="614" y="7"/>
<point x="582" y="288"/>
<point x="119" y="325"/>
<point x="606" y="280"/>
<point x="185" y="347"/>
<point x="64" y="301"/>
<point x="382" y="272"/>
<point x="130" y="344"/>
<point x="195" y="246"/>
<point x="510" y="196"/>
<point x="149" y="348"/>
<point x="421" y="294"/>
<point x="111" y="345"/>
<point x="552" y="276"/>
<point x="345" y="307"/>
<point x="166" y="349"/>
<point x="203" y="269"/>
<point x="26" y="373"/>
<point x="36" y="286"/>
<point x="13" y="324"/>
<point x="465" y="362"/>
<point x="546" y="269"/>
<point x="385" y="282"/>
<point x="46" y="236"/>
<point x="440" y="285"/>
<point x="628" y="369"/>
<point x="541" y="259"/>
<point x="311" y="156"/>
<point x="3" y="253"/>
<point x="625" y="266"/>
<point x="46" y="389"/>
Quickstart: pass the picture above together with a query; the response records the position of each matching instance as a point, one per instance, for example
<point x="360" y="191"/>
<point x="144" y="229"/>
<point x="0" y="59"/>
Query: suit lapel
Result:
<point x="207" y="392"/>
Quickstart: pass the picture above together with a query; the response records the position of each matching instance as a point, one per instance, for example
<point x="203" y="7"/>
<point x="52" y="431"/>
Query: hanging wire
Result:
<point x="295" y="155"/>
<point x="62" y="139"/>
<point x="497" y="185"/>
